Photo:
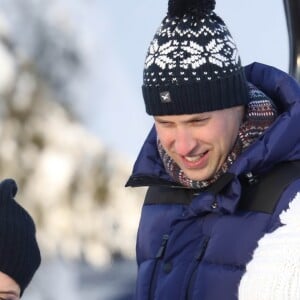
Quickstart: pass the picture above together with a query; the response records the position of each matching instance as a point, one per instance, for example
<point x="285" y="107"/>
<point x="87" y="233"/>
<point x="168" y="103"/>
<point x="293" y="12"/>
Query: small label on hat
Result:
<point x="165" y="97"/>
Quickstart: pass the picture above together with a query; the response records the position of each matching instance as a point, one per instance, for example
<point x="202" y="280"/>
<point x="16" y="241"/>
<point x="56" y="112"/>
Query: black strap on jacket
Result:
<point x="264" y="194"/>
<point x="259" y="193"/>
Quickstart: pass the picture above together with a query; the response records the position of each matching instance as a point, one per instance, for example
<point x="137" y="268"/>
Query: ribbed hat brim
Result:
<point x="197" y="97"/>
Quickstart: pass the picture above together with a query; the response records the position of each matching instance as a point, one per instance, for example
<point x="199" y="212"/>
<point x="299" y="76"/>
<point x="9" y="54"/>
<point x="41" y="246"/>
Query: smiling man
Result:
<point x="199" y="143"/>
<point x="221" y="215"/>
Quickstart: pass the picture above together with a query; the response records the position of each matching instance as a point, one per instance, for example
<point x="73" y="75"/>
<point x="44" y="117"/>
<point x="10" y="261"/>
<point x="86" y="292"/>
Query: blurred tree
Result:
<point x="48" y="41"/>
<point x="68" y="180"/>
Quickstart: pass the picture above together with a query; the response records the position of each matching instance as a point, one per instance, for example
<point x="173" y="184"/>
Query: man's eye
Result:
<point x="198" y="121"/>
<point x="165" y="123"/>
<point x="8" y="298"/>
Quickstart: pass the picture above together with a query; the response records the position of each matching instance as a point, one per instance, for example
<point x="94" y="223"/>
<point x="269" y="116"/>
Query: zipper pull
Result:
<point x="163" y="245"/>
<point x="251" y="178"/>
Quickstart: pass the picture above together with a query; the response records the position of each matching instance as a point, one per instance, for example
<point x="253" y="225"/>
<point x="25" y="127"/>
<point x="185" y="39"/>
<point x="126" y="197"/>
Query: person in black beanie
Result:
<point x="19" y="251"/>
<point x="220" y="218"/>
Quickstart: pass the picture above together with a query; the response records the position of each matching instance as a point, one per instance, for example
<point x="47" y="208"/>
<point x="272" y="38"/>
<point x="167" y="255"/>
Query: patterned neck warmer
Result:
<point x="260" y="114"/>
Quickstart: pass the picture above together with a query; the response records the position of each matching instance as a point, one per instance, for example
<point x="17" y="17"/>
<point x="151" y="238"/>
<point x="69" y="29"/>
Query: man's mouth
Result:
<point x="194" y="158"/>
<point x="195" y="161"/>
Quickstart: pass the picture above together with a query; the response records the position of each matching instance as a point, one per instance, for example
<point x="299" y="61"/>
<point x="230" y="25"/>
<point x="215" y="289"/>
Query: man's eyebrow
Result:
<point x="158" y="119"/>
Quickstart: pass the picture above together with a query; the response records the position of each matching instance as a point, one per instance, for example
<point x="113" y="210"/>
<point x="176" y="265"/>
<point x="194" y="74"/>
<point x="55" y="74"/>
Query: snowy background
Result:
<point x="72" y="122"/>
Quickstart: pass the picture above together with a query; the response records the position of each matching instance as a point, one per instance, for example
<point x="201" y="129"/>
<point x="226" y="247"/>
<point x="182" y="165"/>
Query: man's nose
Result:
<point x="184" y="142"/>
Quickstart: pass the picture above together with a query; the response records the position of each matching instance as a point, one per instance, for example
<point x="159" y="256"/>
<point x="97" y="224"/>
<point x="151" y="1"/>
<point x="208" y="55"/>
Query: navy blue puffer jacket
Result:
<point x="200" y="250"/>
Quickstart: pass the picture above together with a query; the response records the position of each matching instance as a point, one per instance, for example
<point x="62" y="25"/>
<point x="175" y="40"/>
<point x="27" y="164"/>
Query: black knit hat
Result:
<point x="192" y="64"/>
<point x="19" y="252"/>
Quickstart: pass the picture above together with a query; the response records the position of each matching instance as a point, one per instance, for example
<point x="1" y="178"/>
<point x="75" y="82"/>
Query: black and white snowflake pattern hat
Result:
<point x="192" y="64"/>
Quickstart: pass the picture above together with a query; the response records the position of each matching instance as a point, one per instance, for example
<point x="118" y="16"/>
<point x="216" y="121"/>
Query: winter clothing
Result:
<point x="192" y="64"/>
<point x="19" y="252"/>
<point x="211" y="249"/>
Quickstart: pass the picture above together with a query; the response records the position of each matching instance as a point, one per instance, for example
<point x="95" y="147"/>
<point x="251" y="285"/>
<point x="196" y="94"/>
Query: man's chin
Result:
<point x="195" y="175"/>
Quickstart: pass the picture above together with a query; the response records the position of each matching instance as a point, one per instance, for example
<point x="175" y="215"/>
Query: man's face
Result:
<point x="200" y="143"/>
<point x="9" y="289"/>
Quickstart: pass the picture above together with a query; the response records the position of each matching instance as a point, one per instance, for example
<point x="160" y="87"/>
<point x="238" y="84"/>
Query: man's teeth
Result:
<point x="193" y="158"/>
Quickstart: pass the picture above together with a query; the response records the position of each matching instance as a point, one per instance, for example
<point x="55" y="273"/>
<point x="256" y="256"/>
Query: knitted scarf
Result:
<point x="259" y="115"/>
